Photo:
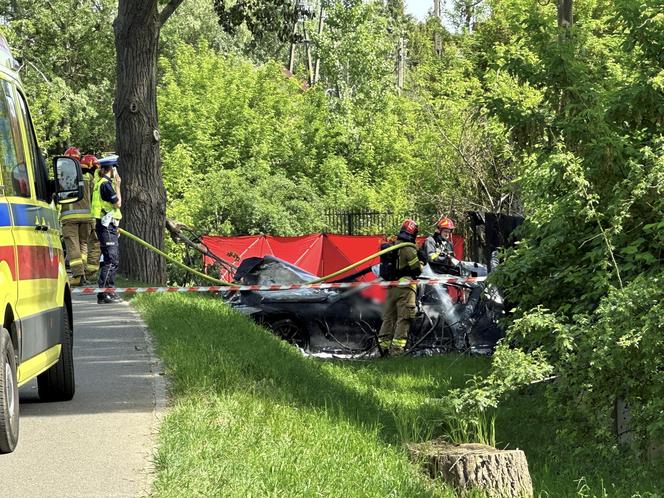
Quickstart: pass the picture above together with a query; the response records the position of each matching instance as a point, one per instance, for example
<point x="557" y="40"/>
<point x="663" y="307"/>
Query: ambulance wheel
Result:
<point x="8" y="395"/>
<point x="290" y="331"/>
<point x="57" y="383"/>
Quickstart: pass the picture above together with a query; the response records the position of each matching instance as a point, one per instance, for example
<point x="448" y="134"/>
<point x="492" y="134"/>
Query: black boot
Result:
<point x="116" y="299"/>
<point x="108" y="298"/>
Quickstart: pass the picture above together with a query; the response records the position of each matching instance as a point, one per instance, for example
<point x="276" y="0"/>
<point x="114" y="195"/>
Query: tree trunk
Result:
<point x="137" y="138"/>
<point x="307" y="46"/>
<point x="472" y="467"/>
<point x="401" y="64"/>
<point x="565" y="14"/>
<point x="320" y="31"/>
<point x="437" y="38"/>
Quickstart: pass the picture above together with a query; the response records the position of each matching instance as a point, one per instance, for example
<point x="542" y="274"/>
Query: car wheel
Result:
<point x="8" y="395"/>
<point x="57" y="383"/>
<point x="290" y="331"/>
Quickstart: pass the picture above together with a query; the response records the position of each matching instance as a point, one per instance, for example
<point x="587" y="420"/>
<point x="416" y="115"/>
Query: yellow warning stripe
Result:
<point x="32" y="237"/>
<point x="39" y="363"/>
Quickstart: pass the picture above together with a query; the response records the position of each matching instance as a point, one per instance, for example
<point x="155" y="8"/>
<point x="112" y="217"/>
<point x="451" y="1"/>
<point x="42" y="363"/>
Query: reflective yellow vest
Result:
<point x="101" y="207"/>
<point x="79" y="211"/>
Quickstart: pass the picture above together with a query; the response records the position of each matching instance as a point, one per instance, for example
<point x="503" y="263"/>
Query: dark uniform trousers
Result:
<point x="108" y="242"/>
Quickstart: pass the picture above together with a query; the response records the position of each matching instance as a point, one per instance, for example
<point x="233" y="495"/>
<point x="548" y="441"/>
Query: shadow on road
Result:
<point x="114" y="372"/>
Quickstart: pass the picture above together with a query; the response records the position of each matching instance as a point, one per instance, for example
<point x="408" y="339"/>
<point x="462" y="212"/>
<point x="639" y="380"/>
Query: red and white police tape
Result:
<point x="279" y="287"/>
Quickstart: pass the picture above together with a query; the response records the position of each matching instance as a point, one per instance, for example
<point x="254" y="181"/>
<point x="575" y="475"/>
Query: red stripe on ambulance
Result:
<point x="36" y="262"/>
<point x="7" y="256"/>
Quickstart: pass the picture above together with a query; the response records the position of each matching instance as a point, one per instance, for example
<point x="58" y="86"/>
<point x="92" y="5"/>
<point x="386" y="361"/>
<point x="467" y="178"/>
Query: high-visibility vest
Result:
<point x="79" y="211"/>
<point x="101" y="207"/>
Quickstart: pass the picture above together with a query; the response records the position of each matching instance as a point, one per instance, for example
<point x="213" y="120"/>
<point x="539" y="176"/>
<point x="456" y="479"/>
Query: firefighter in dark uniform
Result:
<point x="439" y="248"/>
<point x="401" y="304"/>
<point x="106" y="202"/>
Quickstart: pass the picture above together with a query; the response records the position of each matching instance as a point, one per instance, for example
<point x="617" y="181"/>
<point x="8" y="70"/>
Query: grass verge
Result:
<point x="253" y="417"/>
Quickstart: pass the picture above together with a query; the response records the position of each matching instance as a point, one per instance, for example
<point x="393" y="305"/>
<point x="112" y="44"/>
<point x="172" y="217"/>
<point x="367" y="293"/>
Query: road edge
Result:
<point x="159" y="397"/>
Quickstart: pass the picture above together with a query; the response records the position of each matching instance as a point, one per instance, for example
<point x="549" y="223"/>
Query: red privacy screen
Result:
<point x="320" y="254"/>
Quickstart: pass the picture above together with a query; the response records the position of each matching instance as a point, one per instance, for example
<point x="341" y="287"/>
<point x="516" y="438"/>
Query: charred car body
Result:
<point x="346" y="321"/>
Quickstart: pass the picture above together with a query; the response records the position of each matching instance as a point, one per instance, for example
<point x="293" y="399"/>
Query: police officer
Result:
<point x="439" y="248"/>
<point x="106" y="202"/>
<point x="400" y="307"/>
<point x="76" y="220"/>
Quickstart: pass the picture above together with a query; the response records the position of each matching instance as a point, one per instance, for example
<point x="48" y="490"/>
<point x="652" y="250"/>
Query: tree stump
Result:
<point x="469" y="467"/>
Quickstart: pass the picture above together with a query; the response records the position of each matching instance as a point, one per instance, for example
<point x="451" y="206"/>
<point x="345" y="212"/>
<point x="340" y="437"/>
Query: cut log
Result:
<point x="471" y="467"/>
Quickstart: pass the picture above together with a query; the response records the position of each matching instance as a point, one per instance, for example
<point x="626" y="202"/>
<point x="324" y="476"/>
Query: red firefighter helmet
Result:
<point x="445" y="223"/>
<point x="73" y="152"/>
<point x="408" y="230"/>
<point x="89" y="161"/>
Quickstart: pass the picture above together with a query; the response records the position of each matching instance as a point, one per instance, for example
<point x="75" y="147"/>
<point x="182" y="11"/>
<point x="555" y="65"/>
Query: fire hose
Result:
<point x="223" y="283"/>
<point x="319" y="283"/>
<point x="172" y="259"/>
<point x="175" y="231"/>
<point x="363" y="261"/>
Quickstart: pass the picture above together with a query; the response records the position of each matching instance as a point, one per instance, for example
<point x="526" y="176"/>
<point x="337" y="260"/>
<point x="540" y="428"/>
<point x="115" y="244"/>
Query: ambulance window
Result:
<point x="38" y="166"/>
<point x="12" y="158"/>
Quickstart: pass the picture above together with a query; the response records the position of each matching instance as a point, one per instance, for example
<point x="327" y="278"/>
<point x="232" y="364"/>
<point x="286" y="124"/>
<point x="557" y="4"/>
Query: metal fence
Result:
<point x="362" y="222"/>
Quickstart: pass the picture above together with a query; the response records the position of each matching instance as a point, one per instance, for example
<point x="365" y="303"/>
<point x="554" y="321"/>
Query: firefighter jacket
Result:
<point x="438" y="248"/>
<point x="79" y="211"/>
<point x="408" y="263"/>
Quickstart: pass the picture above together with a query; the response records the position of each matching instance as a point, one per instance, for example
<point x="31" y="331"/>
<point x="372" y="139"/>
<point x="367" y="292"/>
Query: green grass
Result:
<point x="122" y="281"/>
<point x="253" y="417"/>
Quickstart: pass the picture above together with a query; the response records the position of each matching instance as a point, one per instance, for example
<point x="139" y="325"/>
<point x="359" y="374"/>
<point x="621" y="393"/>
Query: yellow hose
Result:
<point x="222" y="282"/>
<point x="172" y="260"/>
<point x="361" y="262"/>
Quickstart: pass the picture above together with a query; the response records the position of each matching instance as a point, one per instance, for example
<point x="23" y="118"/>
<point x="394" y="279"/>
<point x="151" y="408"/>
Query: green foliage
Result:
<point x="474" y="167"/>
<point x="618" y="353"/>
<point x="235" y="145"/>
<point x="261" y="18"/>
<point x="512" y="369"/>
<point x="356" y="50"/>
<point x="67" y="65"/>
<point x="246" y="150"/>
<point x="195" y="22"/>
<point x="480" y="428"/>
<point x="584" y="110"/>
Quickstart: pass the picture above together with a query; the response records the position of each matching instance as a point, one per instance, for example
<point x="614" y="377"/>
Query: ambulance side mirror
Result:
<point x="68" y="180"/>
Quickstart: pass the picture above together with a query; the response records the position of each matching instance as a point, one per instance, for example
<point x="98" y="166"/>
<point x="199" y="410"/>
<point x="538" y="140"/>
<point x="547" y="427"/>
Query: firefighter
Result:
<point x="76" y="220"/>
<point x="400" y="306"/>
<point x="90" y="167"/>
<point x="439" y="247"/>
<point x="106" y="203"/>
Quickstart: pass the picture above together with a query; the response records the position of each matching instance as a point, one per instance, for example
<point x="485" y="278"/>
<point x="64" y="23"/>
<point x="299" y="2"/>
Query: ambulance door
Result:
<point x="33" y="253"/>
<point x="48" y="214"/>
<point x="7" y="248"/>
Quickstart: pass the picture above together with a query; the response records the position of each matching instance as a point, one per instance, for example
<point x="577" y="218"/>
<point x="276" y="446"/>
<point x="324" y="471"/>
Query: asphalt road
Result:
<point x="101" y="443"/>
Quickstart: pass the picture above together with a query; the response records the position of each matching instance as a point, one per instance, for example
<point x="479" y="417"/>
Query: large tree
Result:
<point x="137" y="28"/>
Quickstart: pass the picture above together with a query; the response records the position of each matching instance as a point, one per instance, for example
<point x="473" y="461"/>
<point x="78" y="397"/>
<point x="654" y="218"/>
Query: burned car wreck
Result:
<point x="346" y="321"/>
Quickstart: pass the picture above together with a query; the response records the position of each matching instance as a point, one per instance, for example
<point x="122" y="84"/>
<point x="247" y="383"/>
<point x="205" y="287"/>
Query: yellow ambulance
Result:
<point x="36" y="335"/>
